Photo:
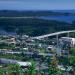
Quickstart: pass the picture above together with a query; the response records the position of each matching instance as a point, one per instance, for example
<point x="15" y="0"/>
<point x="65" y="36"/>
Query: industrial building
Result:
<point x="69" y="40"/>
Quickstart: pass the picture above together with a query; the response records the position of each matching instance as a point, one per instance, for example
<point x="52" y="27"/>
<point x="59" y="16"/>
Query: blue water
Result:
<point x="59" y="18"/>
<point x="65" y="11"/>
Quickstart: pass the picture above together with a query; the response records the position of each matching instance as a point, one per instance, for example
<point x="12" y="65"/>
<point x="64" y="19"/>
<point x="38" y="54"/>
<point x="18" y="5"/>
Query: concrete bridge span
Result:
<point x="53" y="34"/>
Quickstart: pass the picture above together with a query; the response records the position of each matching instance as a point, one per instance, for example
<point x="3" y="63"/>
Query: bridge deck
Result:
<point x="52" y="34"/>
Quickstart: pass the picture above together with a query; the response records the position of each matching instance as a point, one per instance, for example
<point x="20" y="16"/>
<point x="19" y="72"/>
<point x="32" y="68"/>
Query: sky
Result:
<point x="37" y="4"/>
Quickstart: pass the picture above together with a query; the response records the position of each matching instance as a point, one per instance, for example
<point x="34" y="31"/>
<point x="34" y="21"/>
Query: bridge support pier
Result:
<point x="68" y="34"/>
<point x="57" y="39"/>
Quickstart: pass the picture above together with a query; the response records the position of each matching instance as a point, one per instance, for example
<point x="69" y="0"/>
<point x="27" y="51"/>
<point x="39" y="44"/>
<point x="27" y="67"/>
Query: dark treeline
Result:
<point x="14" y="13"/>
<point x="34" y="27"/>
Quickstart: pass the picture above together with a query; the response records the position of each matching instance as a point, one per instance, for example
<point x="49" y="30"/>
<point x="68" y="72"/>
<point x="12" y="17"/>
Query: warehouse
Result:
<point x="69" y="40"/>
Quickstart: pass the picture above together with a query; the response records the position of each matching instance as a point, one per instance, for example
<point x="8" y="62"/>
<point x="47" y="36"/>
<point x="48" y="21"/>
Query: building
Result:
<point x="65" y="43"/>
<point x="11" y="61"/>
<point x="69" y="40"/>
<point x="24" y="64"/>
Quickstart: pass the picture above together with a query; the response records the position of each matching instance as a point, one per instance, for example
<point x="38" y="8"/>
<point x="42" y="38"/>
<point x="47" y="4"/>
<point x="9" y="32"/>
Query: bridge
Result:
<point x="53" y="34"/>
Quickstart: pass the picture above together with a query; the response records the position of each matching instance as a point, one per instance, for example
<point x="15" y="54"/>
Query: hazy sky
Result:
<point x="37" y="4"/>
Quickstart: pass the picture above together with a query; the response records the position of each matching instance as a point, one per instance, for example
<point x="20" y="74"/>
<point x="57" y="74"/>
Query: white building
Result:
<point x="67" y="39"/>
<point x="24" y="64"/>
<point x="11" y="61"/>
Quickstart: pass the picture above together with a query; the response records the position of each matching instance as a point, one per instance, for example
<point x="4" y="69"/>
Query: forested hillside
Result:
<point x="14" y="13"/>
<point x="33" y="26"/>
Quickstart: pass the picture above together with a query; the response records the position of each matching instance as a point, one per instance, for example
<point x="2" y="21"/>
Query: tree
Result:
<point x="72" y="59"/>
<point x="53" y="69"/>
<point x="1" y="71"/>
<point x="14" y="69"/>
<point x="31" y="69"/>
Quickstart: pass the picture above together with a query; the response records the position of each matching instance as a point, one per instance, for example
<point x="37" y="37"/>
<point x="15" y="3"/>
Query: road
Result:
<point x="26" y="53"/>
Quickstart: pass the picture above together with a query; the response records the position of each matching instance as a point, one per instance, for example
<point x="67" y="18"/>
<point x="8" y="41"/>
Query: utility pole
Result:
<point x="68" y="35"/>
